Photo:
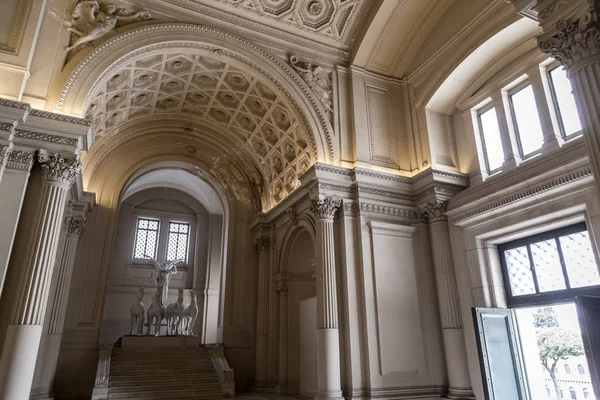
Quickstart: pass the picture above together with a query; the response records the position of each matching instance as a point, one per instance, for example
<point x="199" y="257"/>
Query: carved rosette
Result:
<point x="575" y="41"/>
<point x="75" y="226"/>
<point x="324" y="207"/>
<point x="434" y="212"/>
<point x="57" y="169"/>
<point x="262" y="244"/>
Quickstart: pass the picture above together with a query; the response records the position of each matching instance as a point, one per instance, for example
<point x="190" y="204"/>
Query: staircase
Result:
<point x="144" y="373"/>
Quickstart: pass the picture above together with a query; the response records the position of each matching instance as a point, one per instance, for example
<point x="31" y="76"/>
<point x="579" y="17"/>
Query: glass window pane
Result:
<point x="547" y="266"/>
<point x="140" y="244"/>
<point x="565" y="100"/>
<point x="527" y="120"/>
<point x="178" y="240"/>
<point x="579" y="259"/>
<point x="143" y="223"/>
<point x="491" y="139"/>
<point x="519" y="271"/>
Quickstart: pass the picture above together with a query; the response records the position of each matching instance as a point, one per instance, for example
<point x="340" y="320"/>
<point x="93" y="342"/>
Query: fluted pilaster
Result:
<point x="282" y="288"/>
<point x="75" y="226"/>
<point x="459" y="383"/>
<point x="262" y="247"/>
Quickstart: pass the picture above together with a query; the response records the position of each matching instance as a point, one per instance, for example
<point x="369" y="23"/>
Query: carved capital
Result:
<point x="262" y="244"/>
<point x="575" y="40"/>
<point x="293" y="215"/>
<point x="324" y="207"/>
<point x="435" y="212"/>
<point x="55" y="168"/>
<point x="75" y="226"/>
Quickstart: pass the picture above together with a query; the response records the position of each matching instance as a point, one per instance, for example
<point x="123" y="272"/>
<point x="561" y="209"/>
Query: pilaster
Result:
<point x="459" y="384"/>
<point x="262" y="247"/>
<point x="282" y="286"/>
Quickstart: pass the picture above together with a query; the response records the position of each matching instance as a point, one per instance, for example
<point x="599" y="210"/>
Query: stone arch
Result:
<point x="83" y="74"/>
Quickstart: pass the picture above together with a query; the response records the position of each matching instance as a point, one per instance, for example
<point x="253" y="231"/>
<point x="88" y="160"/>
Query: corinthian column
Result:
<point x="328" y="338"/>
<point x="459" y="382"/>
<point x="575" y="42"/>
<point x="48" y="355"/>
<point x="23" y="335"/>
<point x="262" y="246"/>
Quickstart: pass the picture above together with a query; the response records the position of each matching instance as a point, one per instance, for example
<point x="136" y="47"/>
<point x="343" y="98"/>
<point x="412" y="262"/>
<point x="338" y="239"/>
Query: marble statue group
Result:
<point x="179" y="319"/>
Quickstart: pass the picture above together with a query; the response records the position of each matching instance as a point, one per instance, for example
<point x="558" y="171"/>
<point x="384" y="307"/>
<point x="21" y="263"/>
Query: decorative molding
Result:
<point x="575" y="42"/>
<point x="318" y="80"/>
<point x="75" y="226"/>
<point x="14" y="104"/>
<point x="3" y="152"/>
<point x="537" y="189"/>
<point x="385" y="193"/>
<point x="338" y="188"/>
<point x="384" y="228"/>
<point x="324" y="207"/>
<point x="282" y="282"/>
<point x="57" y="169"/>
<point x="263" y="244"/>
<point x="389" y="159"/>
<point x="45" y="137"/>
<point x="60" y="117"/>
<point x="18" y="26"/>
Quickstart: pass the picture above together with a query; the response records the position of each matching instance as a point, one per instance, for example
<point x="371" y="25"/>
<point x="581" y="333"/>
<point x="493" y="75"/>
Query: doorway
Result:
<point x="535" y="349"/>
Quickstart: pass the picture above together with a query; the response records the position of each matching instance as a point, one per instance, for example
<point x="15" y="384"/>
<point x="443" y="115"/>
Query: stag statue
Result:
<point x="174" y="315"/>
<point x="137" y="314"/>
<point x="190" y="313"/>
<point x="156" y="312"/>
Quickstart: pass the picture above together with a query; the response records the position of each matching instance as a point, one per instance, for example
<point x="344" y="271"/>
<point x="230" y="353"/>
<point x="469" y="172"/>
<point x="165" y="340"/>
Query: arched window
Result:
<point x="581" y="369"/>
<point x="573" y="394"/>
<point x="567" y="369"/>
<point x="586" y="393"/>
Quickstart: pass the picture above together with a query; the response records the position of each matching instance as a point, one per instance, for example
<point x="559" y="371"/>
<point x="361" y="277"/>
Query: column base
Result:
<point x="281" y="388"/>
<point x="41" y="394"/>
<point x="329" y="379"/>
<point x="460" y="394"/>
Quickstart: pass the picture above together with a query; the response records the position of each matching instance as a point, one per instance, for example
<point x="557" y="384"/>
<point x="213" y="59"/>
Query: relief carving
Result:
<point x="91" y="20"/>
<point x="317" y="79"/>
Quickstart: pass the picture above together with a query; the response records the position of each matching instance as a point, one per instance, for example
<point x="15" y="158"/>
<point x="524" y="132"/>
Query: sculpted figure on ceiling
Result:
<point x="317" y="79"/>
<point x="90" y="20"/>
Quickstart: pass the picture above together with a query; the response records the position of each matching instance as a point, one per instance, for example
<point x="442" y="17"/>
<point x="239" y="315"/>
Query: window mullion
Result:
<point x="563" y="265"/>
<point x="532" y="268"/>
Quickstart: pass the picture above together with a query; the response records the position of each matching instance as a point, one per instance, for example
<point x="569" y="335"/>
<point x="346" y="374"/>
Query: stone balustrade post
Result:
<point x="328" y="338"/>
<point x="262" y="247"/>
<point x="459" y="382"/>
<point x="24" y="332"/>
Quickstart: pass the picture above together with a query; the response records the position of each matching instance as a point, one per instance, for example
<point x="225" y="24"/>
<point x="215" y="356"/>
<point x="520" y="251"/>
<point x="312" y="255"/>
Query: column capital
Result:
<point x="263" y="244"/>
<point x="324" y="207"/>
<point x="56" y="168"/>
<point x="20" y="159"/>
<point x="75" y="226"/>
<point x="576" y="41"/>
<point x="435" y="212"/>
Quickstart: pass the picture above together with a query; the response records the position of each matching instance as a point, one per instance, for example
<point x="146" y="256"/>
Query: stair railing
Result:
<point x="103" y="373"/>
<point x="224" y="373"/>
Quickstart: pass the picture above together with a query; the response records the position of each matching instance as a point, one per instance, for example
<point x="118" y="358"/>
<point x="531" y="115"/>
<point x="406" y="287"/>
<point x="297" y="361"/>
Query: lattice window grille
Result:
<point x="562" y="262"/>
<point x="146" y="238"/>
<point x="177" y="245"/>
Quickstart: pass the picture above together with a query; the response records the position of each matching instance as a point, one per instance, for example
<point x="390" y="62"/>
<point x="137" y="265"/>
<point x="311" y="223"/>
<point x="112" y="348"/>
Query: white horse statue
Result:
<point x="190" y="313"/>
<point x="137" y="314"/>
<point x="175" y="315"/>
<point x="156" y="312"/>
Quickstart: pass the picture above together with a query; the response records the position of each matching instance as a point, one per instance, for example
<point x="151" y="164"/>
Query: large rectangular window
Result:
<point x="177" y="245"/>
<point x="490" y="137"/>
<point x="146" y="237"/>
<point x="555" y="265"/>
<point x="562" y="93"/>
<point x="527" y="120"/>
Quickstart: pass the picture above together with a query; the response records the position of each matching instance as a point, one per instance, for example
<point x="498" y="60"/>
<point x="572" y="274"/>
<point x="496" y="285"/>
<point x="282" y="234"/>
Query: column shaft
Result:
<point x="328" y="339"/>
<point x="282" y="381"/>
<point x="24" y="333"/>
<point x="262" y="247"/>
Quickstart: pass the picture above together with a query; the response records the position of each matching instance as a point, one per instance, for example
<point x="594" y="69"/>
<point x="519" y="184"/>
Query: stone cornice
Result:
<point x="45" y="137"/>
<point x="59" y="117"/>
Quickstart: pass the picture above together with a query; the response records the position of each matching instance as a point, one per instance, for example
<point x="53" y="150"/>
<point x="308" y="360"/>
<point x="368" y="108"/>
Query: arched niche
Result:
<point x="298" y="263"/>
<point x="167" y="193"/>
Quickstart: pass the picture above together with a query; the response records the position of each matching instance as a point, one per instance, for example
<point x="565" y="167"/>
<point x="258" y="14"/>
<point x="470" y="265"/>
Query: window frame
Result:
<point x="561" y="125"/>
<point x="549" y="297"/>
<point x="137" y="230"/>
<point x="481" y="111"/>
<point x="514" y="90"/>
<point x="187" y="240"/>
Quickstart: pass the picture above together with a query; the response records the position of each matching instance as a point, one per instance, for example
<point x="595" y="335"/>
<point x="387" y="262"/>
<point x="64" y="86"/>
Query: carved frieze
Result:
<point x="45" y="137"/>
<point x="55" y="168"/>
<point x="20" y="160"/>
